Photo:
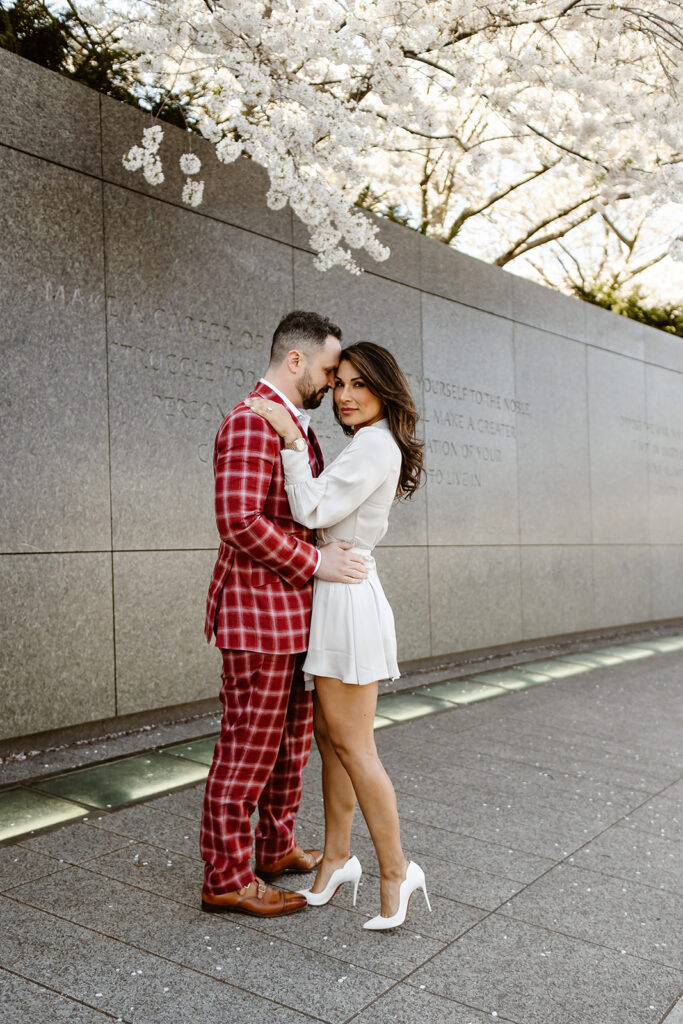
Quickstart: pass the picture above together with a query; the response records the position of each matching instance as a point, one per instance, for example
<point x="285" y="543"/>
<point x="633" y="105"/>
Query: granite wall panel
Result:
<point x="662" y="349"/>
<point x="192" y="306"/>
<point x="131" y="324"/>
<point x="403" y="264"/>
<point x="552" y="443"/>
<point x="614" y="333"/>
<point x="667" y="580"/>
<point x="47" y="115"/>
<point x="471" y="282"/>
<point x="54" y="485"/>
<point x="541" y="307"/>
<point x="57" y="667"/>
<point x="475" y="597"/>
<point x="557" y="589"/>
<point x="234" y="193"/>
<point x="471" y="413"/>
<point x="161" y="655"/>
<point x="660" y="436"/>
<point x="404" y="572"/>
<point x="618" y="462"/>
<point x="622" y="581"/>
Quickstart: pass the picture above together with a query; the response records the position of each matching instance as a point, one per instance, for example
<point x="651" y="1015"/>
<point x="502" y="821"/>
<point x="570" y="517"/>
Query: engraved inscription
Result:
<point x="73" y="301"/>
<point x="174" y="323"/>
<point x="191" y="366"/>
<point x="448" y="389"/>
<point x="177" y="364"/>
<point x="467" y="428"/>
<point x="664" y="458"/>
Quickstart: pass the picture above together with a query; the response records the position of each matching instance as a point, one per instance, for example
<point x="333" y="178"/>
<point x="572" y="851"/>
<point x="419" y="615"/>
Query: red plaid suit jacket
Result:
<point x="261" y="589"/>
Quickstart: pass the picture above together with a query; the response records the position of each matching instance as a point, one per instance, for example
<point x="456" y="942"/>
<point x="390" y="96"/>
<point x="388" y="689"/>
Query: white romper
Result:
<point x="352" y="637"/>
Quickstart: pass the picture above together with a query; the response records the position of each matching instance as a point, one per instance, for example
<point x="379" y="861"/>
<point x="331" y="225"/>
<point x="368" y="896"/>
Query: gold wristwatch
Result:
<point x="297" y="445"/>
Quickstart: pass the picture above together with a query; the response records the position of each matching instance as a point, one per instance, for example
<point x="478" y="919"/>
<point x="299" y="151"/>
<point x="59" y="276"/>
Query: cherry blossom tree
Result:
<point x="498" y="127"/>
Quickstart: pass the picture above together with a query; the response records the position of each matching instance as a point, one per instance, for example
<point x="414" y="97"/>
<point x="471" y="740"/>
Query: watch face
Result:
<point x="300" y="444"/>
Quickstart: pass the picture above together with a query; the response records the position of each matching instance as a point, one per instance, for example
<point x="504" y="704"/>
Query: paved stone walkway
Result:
<point x="548" y="824"/>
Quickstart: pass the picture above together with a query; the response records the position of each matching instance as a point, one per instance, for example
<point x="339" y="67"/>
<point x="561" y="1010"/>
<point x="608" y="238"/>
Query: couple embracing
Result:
<point x="294" y="575"/>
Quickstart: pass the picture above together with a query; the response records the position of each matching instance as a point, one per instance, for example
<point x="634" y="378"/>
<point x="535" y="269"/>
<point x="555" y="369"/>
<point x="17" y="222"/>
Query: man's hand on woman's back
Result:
<point x="339" y="565"/>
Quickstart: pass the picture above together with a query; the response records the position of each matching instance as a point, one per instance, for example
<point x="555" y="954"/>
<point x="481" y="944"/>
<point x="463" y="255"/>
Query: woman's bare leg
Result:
<point x="349" y="713"/>
<point x="339" y="799"/>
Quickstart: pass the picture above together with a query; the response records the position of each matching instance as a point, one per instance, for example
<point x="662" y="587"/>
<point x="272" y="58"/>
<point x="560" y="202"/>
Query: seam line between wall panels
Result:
<point x="106" y="357"/>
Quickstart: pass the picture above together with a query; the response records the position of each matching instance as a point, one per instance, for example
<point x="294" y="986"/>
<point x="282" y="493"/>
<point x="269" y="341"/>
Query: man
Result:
<point x="258" y="608"/>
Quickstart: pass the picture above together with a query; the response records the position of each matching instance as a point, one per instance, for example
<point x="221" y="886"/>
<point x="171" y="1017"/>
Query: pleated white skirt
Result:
<point x="353" y="636"/>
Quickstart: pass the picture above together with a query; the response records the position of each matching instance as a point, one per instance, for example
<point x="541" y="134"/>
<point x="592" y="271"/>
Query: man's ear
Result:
<point x="294" y="360"/>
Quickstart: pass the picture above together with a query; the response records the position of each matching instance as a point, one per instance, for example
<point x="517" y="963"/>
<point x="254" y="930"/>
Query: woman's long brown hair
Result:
<point x="383" y="377"/>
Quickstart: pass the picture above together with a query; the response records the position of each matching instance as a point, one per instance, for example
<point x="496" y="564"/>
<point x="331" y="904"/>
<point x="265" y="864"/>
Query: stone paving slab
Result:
<point x="559" y="742"/>
<point x="496" y="858"/>
<point x="18" y="865"/>
<point x="186" y="804"/>
<point x="154" y="870"/>
<point x="406" y="1005"/>
<point x="548" y="757"/>
<point x="675" y="1014"/>
<point x="451" y="879"/>
<point x="528" y="827"/>
<point x="484" y="771"/>
<point x="661" y="815"/>
<point x="24" y="1002"/>
<point x="121" y="980"/>
<point x="145" y="821"/>
<point x="630" y="854"/>
<point x="472" y="786"/>
<point x="675" y="792"/>
<point x="535" y="975"/>
<point x="76" y="845"/>
<point x="282" y="971"/>
<point x="548" y="824"/>
<point x="623" y="915"/>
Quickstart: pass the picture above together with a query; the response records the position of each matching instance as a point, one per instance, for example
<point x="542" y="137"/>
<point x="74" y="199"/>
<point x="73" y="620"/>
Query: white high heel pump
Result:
<point x="415" y="879"/>
<point x="349" y="872"/>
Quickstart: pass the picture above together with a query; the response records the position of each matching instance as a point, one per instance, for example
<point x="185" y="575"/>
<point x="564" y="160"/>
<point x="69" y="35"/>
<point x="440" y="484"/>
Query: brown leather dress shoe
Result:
<point x="297" y="861"/>
<point x="257" y="899"/>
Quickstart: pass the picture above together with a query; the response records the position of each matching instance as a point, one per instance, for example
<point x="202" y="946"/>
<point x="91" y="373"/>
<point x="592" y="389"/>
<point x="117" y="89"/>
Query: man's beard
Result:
<point x="310" y="398"/>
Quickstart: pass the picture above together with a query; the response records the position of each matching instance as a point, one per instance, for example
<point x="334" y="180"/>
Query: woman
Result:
<point x="352" y="640"/>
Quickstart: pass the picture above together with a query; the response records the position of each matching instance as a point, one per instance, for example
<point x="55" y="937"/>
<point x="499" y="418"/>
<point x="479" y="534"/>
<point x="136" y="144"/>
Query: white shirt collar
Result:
<point x="302" y="415"/>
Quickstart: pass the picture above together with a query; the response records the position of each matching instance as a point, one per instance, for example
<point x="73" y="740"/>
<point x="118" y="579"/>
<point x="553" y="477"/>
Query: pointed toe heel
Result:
<point x="415" y="879"/>
<point x="349" y="872"/>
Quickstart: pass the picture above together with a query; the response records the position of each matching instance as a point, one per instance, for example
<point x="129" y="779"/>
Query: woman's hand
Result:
<point x="277" y="415"/>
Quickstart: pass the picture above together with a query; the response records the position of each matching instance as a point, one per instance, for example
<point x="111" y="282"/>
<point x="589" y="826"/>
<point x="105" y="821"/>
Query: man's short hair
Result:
<point x="301" y="330"/>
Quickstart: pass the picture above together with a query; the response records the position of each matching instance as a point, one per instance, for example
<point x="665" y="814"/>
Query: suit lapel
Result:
<point x="315" y="455"/>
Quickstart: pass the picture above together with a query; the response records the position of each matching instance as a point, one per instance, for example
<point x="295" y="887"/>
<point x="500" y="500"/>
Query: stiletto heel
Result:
<point x="349" y="872"/>
<point x="355" y="887"/>
<point x="415" y="879"/>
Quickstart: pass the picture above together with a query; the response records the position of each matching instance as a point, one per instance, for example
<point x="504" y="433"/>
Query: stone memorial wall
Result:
<point x="131" y="324"/>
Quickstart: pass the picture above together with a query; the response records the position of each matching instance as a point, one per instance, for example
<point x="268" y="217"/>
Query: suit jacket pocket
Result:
<point x="262" y="576"/>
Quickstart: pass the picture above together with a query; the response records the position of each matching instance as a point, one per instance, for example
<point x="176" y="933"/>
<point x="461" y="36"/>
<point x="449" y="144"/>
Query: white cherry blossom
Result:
<point x="193" y="192"/>
<point x="190" y="163"/>
<point x="489" y="125"/>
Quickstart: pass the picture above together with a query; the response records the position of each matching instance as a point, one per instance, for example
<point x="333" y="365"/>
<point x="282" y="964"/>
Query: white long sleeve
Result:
<point x="368" y="466"/>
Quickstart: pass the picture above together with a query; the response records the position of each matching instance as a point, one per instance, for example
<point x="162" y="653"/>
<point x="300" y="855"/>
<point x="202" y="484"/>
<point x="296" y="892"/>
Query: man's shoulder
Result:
<point x="244" y="427"/>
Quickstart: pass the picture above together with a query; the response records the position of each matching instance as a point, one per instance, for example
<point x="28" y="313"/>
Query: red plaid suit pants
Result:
<point x="258" y="761"/>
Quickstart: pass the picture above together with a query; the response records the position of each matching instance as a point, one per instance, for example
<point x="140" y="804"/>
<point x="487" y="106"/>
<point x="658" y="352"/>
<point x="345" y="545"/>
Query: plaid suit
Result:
<point x="258" y="606"/>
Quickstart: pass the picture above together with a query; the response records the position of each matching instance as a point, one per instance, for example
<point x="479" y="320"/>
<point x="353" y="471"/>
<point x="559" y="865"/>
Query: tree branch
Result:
<point x="520" y="250"/>
<point x="473" y="211"/>
<point x="521" y="246"/>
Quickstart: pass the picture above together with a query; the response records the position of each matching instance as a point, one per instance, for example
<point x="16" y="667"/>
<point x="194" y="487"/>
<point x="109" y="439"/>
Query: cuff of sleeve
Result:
<point x="295" y="465"/>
